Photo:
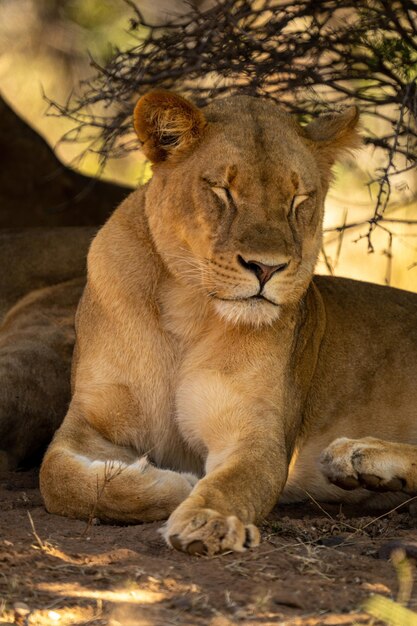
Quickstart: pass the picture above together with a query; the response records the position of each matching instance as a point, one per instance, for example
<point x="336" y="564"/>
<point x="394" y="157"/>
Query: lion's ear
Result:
<point x="332" y="134"/>
<point x="166" y="124"/>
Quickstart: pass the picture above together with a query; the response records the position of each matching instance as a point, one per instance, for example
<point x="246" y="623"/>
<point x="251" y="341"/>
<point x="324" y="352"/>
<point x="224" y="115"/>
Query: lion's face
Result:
<point x="235" y="205"/>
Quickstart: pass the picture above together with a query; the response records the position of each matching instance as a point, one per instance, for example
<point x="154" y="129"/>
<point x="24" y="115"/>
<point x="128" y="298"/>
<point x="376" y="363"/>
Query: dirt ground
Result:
<point x="314" y="567"/>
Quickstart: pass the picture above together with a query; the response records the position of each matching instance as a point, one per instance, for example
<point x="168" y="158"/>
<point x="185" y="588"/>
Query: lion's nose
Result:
<point x="262" y="272"/>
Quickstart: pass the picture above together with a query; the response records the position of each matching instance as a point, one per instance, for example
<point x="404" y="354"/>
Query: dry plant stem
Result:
<point x="35" y="534"/>
<point x="328" y="514"/>
<point x="111" y="471"/>
<point x="387" y="513"/>
<point x="359" y="529"/>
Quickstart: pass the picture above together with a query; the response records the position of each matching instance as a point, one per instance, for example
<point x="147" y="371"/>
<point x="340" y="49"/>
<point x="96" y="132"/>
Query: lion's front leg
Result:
<point x="220" y="512"/>
<point x="246" y="468"/>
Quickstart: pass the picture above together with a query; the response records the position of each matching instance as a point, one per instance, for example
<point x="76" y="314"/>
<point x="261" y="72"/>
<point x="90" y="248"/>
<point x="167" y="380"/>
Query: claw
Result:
<point x="347" y="482"/>
<point x="374" y="483"/>
<point x="175" y="542"/>
<point x="197" y="548"/>
<point x="248" y="539"/>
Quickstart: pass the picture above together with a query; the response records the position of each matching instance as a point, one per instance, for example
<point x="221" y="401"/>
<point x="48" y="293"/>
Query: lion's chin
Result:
<point x="249" y="312"/>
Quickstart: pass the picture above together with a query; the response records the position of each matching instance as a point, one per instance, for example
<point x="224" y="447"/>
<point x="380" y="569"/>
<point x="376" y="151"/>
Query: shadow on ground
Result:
<point x="314" y="567"/>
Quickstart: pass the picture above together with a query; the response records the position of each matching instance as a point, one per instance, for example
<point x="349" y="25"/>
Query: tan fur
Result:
<point x="201" y="395"/>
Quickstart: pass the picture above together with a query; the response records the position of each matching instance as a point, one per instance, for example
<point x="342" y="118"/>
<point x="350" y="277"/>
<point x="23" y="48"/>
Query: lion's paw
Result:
<point x="368" y="463"/>
<point x="206" y="532"/>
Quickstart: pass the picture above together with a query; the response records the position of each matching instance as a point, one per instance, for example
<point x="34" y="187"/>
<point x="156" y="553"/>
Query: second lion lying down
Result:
<point x="210" y="369"/>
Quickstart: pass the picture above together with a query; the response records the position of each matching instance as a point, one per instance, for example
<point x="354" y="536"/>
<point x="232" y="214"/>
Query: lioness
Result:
<point x="212" y="375"/>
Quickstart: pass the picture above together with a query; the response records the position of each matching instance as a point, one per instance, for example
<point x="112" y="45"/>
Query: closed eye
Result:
<point x="221" y="190"/>
<point x="298" y="200"/>
<point x="223" y="193"/>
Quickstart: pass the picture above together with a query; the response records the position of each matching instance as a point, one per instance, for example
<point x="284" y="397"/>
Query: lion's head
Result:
<point x="235" y="205"/>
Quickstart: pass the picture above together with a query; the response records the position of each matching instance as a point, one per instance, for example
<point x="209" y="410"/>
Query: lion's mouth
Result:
<point x="256" y="298"/>
<point x="256" y="310"/>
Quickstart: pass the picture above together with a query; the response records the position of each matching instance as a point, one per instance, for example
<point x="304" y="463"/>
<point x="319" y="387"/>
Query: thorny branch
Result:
<point x="308" y="55"/>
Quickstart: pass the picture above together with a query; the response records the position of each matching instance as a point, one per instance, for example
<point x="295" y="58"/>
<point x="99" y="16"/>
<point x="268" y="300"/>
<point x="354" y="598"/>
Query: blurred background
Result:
<point x="46" y="48"/>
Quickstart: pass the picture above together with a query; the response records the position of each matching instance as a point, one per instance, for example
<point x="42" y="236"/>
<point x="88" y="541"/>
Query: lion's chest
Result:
<point x="160" y="359"/>
<point x="152" y="361"/>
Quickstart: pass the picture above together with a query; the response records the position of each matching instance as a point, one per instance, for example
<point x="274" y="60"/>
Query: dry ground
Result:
<point x="313" y="568"/>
